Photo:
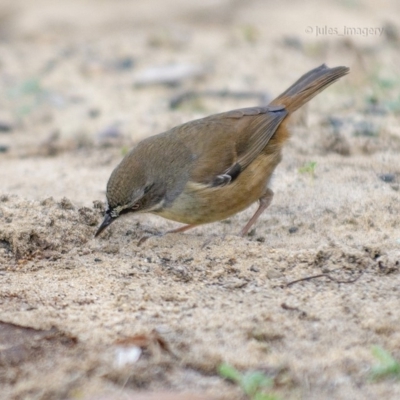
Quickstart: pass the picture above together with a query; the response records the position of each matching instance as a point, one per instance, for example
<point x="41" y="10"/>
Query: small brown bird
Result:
<point x="211" y="168"/>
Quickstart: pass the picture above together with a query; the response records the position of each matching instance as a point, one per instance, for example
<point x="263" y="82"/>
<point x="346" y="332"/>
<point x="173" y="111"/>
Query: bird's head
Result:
<point x="130" y="189"/>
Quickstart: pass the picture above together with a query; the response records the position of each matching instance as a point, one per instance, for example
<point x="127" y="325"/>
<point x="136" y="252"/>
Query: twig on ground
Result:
<point x="308" y="278"/>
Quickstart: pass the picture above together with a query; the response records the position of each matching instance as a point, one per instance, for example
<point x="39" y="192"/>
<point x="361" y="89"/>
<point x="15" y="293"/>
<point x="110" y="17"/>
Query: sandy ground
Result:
<point x="72" y="103"/>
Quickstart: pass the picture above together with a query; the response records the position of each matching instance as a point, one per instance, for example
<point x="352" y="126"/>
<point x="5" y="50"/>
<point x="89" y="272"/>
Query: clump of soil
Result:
<point x="46" y="227"/>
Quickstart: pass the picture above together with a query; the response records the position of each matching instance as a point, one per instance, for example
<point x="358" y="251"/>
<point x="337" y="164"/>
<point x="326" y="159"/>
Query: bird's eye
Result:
<point x="148" y="187"/>
<point x="135" y="206"/>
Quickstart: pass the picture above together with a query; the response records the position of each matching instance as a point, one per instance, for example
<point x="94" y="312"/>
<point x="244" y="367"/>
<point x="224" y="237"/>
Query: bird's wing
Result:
<point x="227" y="143"/>
<point x="259" y="131"/>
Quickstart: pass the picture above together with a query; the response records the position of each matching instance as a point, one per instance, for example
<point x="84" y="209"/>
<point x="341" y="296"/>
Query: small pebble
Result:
<point x="125" y="63"/>
<point x="5" y="126"/>
<point x="94" y="112"/>
<point x="388" y="178"/>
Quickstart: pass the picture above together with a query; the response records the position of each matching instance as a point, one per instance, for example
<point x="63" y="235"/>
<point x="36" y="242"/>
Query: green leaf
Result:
<point x="227" y="371"/>
<point x="382" y="355"/>
<point x="252" y="382"/>
<point x="308" y="167"/>
<point x="265" y="396"/>
<point x="388" y="365"/>
<point x="124" y="150"/>
<point x="31" y="86"/>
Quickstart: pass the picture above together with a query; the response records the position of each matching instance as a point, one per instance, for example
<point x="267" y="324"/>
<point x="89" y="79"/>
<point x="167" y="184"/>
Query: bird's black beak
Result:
<point x="108" y="219"/>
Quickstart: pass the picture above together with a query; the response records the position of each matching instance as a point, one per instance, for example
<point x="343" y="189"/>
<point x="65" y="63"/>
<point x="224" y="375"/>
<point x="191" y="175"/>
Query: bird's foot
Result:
<point x="146" y="237"/>
<point x="177" y="230"/>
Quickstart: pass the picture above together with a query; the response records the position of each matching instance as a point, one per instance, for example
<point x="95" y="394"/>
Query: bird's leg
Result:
<point x="265" y="201"/>
<point x="183" y="228"/>
<point x="145" y="237"/>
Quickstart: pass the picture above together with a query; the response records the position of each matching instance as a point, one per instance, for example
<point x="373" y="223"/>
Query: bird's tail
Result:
<point x="308" y="86"/>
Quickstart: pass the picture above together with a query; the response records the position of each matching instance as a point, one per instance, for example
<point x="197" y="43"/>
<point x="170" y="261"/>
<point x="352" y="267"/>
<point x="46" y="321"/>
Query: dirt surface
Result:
<point x="76" y="312"/>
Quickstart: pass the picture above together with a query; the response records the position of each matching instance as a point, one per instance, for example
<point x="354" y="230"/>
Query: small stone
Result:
<point x="5" y="126"/>
<point x="111" y="132"/>
<point x="293" y="42"/>
<point x="335" y="123"/>
<point x="388" y="178"/>
<point x="293" y="229"/>
<point x="4" y="244"/>
<point x="252" y="233"/>
<point x="125" y="63"/>
<point x="366" y="128"/>
<point x="94" y="113"/>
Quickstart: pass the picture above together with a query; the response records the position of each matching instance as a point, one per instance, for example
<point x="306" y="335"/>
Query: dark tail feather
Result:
<point x="308" y="86"/>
